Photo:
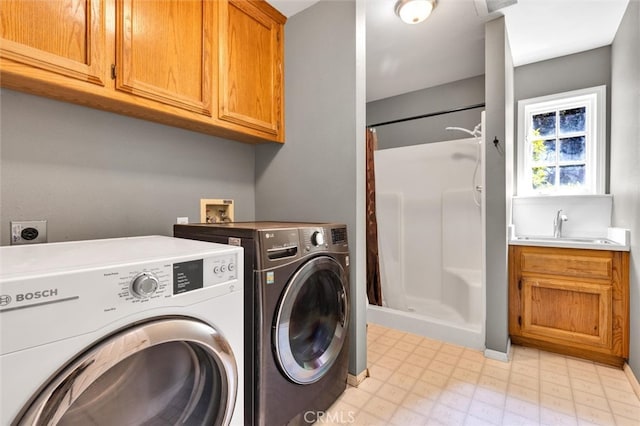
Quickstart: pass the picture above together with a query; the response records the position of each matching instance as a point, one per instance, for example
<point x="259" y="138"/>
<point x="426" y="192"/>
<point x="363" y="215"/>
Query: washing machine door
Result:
<point x="164" y="372"/>
<point x="312" y="320"/>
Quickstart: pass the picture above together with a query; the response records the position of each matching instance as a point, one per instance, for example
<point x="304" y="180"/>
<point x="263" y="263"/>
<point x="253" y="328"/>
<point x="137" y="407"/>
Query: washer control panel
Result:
<point x="314" y="239"/>
<point x="333" y="238"/>
<point x="317" y="238"/>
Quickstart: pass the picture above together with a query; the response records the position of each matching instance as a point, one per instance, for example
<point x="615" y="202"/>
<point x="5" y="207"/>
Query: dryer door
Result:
<point x="312" y="320"/>
<point x="168" y="371"/>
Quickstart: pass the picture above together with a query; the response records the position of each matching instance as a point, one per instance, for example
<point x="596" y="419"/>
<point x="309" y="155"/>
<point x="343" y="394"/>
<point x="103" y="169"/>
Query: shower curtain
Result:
<point x="374" y="291"/>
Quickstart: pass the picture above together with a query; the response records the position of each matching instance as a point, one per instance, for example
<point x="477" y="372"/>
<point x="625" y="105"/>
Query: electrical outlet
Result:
<point x="182" y="220"/>
<point x="28" y="232"/>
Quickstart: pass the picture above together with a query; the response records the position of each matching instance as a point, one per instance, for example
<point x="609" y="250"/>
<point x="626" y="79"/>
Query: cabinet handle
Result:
<point x="113" y="71"/>
<point x="520" y="284"/>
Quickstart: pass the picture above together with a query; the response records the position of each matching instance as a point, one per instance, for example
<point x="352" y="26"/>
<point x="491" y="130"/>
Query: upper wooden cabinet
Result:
<point x="164" y="52"/>
<point x="209" y="66"/>
<point x="65" y="37"/>
<point x="570" y="301"/>
<point x="250" y="66"/>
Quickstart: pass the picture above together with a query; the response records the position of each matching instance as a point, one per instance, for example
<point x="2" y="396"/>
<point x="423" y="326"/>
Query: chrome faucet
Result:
<point x="557" y="223"/>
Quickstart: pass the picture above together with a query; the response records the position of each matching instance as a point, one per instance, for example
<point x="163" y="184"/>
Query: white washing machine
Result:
<point x="127" y="331"/>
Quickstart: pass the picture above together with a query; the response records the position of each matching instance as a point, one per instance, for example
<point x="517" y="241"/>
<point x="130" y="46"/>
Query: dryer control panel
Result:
<point x="193" y="274"/>
<point x="171" y="279"/>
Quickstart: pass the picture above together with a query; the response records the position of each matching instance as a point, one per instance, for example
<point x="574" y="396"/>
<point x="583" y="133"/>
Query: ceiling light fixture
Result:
<point x="414" y="11"/>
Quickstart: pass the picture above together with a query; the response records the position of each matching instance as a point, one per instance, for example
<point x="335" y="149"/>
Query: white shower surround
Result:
<point x="430" y="242"/>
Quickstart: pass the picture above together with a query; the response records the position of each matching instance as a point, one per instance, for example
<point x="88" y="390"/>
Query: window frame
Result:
<point x="594" y="98"/>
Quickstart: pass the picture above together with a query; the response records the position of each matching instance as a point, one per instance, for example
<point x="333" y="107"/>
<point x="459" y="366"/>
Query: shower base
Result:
<point x="446" y="330"/>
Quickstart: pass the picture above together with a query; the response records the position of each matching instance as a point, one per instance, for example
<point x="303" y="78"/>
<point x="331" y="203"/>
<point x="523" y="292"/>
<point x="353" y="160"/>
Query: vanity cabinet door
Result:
<point x="562" y="311"/>
<point x="65" y="38"/>
<point x="570" y="301"/>
<point x="250" y="68"/>
<point x="164" y="51"/>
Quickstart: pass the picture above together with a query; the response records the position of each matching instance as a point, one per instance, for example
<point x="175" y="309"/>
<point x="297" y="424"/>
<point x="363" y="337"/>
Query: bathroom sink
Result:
<point x="568" y="240"/>
<point x="594" y="243"/>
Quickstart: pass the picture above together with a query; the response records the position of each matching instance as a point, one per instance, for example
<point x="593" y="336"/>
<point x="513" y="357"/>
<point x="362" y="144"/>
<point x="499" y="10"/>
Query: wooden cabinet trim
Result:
<point x="620" y="304"/>
<point x="515" y="293"/>
<point x="270" y="12"/>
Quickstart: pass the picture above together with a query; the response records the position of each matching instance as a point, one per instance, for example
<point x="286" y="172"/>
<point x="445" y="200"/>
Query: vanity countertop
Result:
<point x="617" y="239"/>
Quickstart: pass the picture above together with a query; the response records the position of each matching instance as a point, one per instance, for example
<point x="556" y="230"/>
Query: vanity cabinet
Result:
<point x="210" y="66"/>
<point x="571" y="301"/>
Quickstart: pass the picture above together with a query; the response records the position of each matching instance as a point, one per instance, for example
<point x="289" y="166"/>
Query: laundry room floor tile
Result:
<point x="417" y="381"/>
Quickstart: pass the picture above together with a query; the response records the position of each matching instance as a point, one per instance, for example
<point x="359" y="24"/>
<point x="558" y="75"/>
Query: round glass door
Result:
<point x="311" y="321"/>
<point x="165" y="372"/>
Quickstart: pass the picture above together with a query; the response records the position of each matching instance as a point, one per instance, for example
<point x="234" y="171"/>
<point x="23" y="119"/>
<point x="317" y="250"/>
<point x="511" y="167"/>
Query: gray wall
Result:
<point x="625" y="155"/>
<point x="449" y="96"/>
<point x="571" y="72"/>
<point x="499" y="93"/>
<point x="94" y="174"/>
<point x="566" y="73"/>
<point x="313" y="176"/>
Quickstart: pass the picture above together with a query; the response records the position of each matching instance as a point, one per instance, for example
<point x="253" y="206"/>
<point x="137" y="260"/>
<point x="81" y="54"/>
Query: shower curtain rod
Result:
<point x="431" y="114"/>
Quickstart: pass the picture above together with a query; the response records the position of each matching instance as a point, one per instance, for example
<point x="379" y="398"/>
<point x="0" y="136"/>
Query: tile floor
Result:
<point x="419" y="381"/>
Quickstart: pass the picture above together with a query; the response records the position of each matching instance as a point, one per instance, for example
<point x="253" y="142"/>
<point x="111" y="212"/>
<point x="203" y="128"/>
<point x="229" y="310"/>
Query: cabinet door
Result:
<point x="164" y="51"/>
<point x="564" y="312"/>
<point x="250" y="66"/>
<point x="66" y="37"/>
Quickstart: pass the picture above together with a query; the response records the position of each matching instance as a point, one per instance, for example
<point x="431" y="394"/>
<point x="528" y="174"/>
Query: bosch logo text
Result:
<point x="36" y="295"/>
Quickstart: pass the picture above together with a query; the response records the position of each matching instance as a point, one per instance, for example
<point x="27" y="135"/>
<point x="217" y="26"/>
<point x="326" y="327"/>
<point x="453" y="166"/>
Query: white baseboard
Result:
<point x="356" y="380"/>
<point x="499" y="356"/>
<point x="632" y="379"/>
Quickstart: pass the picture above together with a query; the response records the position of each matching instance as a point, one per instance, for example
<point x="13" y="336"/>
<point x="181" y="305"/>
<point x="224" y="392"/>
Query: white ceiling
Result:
<point x="401" y="58"/>
<point x="544" y="29"/>
<point x="291" y="7"/>
<point x="449" y="45"/>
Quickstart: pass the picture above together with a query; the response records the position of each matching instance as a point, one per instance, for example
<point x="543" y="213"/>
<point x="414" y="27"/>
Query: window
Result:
<point x="561" y="143"/>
